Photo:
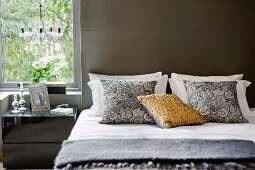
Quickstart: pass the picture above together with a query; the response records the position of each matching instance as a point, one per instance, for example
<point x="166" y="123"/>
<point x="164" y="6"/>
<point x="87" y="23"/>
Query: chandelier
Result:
<point x="42" y="34"/>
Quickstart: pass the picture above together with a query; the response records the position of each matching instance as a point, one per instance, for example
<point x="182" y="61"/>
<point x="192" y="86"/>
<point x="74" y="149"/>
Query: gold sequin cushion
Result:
<point x="169" y="111"/>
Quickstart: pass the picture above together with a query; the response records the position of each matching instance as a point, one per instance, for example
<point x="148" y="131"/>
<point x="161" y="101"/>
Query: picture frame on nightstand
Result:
<point x="39" y="98"/>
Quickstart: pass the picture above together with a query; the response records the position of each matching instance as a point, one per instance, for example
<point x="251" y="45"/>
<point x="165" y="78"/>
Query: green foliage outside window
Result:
<point x="19" y="55"/>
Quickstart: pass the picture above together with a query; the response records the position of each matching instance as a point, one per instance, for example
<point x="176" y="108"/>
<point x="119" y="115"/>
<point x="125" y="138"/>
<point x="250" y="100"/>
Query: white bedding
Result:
<point x="88" y="128"/>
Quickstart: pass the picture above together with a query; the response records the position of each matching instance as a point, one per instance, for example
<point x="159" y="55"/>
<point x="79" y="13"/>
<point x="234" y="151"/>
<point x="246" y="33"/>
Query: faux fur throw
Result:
<point x="101" y="152"/>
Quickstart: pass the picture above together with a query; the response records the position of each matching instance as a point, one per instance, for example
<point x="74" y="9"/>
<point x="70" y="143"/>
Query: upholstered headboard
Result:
<point x="213" y="37"/>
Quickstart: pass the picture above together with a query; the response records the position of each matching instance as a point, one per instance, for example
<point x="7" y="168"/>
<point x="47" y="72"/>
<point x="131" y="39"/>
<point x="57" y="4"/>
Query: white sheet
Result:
<point x="88" y="128"/>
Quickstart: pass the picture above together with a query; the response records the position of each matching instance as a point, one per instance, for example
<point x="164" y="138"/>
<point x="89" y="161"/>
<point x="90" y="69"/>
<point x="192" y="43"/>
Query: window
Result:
<point x="17" y="55"/>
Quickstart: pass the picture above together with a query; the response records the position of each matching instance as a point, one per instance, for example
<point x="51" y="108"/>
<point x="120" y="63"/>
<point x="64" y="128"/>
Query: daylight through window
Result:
<point x="18" y="55"/>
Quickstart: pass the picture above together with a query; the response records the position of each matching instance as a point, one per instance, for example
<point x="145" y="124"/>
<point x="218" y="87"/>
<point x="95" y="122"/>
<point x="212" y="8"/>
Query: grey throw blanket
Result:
<point x="103" y="151"/>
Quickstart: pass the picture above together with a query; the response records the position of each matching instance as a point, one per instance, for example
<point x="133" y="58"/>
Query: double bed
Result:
<point x="88" y="129"/>
<point x="206" y="123"/>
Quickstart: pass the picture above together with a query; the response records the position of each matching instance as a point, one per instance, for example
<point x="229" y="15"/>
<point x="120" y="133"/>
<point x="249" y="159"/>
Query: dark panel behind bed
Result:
<point x="212" y="37"/>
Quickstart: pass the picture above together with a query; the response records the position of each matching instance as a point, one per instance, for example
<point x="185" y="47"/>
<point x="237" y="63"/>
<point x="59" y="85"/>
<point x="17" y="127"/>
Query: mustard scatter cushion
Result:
<point x="169" y="111"/>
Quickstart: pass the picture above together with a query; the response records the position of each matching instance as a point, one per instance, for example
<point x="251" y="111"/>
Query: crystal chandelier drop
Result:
<point x="41" y="34"/>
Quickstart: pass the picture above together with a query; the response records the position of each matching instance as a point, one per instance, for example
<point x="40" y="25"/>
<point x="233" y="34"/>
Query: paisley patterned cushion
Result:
<point x="121" y="105"/>
<point x="169" y="111"/>
<point x="217" y="101"/>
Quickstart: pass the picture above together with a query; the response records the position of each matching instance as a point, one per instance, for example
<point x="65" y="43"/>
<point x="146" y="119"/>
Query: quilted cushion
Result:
<point x="169" y="111"/>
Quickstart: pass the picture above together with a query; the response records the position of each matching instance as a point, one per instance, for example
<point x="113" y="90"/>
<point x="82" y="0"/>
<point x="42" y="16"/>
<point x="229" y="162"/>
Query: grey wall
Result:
<point x="212" y="37"/>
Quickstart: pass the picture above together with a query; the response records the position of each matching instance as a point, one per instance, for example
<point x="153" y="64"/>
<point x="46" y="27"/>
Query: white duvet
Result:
<point x="88" y="128"/>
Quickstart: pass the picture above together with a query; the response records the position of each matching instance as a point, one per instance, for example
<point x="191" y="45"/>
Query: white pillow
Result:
<point x="241" y="96"/>
<point x="98" y="93"/>
<point x="206" y="78"/>
<point x="95" y="86"/>
<point x="178" y="87"/>
<point x="142" y="77"/>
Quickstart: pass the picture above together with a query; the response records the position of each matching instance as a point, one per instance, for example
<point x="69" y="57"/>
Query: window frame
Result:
<point x="76" y="85"/>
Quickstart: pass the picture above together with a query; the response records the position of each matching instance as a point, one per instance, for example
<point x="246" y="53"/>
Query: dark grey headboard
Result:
<point x="212" y="37"/>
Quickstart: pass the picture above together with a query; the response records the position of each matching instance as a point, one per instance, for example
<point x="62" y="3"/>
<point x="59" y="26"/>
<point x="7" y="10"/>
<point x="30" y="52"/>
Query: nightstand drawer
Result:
<point x="29" y="156"/>
<point x="36" y="129"/>
<point x="31" y="140"/>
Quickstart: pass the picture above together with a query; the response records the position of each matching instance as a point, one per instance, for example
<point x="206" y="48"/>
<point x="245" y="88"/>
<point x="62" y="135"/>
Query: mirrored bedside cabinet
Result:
<point x="33" y="139"/>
